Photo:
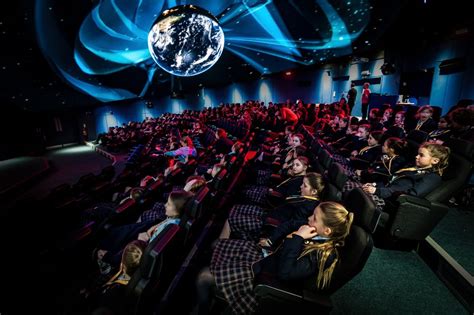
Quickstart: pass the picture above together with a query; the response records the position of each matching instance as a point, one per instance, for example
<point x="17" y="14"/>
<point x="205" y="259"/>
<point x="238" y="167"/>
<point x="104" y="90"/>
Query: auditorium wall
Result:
<point x="323" y="85"/>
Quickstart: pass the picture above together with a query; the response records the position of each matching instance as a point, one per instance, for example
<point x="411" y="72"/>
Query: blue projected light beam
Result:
<point x="113" y="37"/>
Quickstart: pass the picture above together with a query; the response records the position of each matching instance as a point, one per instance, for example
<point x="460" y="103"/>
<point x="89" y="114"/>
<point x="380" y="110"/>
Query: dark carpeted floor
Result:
<point x="395" y="282"/>
<point x="67" y="166"/>
<point x="455" y="233"/>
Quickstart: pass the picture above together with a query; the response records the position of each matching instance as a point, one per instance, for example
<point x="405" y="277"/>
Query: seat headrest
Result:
<point x="462" y="147"/>
<point x="454" y="177"/>
<point x="220" y="179"/>
<point x="151" y="262"/>
<point x="353" y="256"/>
<point x="417" y="135"/>
<point x="193" y="206"/>
<point x="458" y="166"/>
<point x="331" y="193"/>
<point x="365" y="212"/>
<point x="337" y="176"/>
<point x="325" y="158"/>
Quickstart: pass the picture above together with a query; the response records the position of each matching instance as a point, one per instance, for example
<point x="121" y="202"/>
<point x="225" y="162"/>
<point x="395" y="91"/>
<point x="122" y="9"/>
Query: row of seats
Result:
<point x="412" y="218"/>
<point x="167" y="259"/>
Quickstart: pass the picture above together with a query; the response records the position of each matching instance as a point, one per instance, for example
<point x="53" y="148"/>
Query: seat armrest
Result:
<point x="275" y="178"/>
<point x="360" y="164"/>
<point x="278" y="294"/>
<point x="84" y="231"/>
<point x="415" y="217"/>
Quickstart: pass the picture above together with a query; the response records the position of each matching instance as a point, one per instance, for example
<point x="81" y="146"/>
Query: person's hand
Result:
<point x="369" y="188"/>
<point x="306" y="232"/>
<point x="151" y="230"/>
<point x="143" y="237"/>
<point x="264" y="242"/>
<point x="358" y="172"/>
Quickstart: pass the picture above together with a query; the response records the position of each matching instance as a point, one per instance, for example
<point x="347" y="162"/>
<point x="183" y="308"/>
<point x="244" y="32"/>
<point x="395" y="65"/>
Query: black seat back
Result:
<point x="160" y="261"/>
<point x="220" y="180"/>
<point x="414" y="139"/>
<point x="194" y="207"/>
<point x="454" y="177"/>
<point x="365" y="212"/>
<point x="352" y="257"/>
<point x="337" y="176"/>
<point x="323" y="161"/>
<point x="331" y="193"/>
<point x="274" y="297"/>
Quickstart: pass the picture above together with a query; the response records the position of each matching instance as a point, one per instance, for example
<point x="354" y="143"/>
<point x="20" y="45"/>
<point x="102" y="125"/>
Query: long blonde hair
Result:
<point x="339" y="220"/>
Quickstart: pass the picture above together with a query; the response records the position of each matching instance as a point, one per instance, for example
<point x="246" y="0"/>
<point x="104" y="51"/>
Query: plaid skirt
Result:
<point x="231" y="265"/>
<point x="350" y="184"/>
<point x="340" y="159"/>
<point x="256" y="194"/>
<point x="157" y="212"/>
<point x="245" y="221"/>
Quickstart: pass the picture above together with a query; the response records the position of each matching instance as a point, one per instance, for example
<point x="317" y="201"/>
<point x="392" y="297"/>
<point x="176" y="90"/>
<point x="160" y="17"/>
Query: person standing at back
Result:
<point x="365" y="99"/>
<point x="351" y="97"/>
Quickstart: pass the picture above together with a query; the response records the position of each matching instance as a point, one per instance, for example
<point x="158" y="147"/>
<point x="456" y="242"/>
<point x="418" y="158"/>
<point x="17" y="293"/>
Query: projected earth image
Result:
<point x="186" y="40"/>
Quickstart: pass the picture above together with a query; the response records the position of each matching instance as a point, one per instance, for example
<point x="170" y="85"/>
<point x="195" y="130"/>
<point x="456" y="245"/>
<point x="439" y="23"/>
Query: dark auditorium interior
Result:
<point x="237" y="157"/>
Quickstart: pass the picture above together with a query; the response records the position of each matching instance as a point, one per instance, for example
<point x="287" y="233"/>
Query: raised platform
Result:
<point x="98" y="149"/>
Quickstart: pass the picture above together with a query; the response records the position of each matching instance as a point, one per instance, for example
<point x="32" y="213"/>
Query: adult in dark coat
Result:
<point x="351" y="97"/>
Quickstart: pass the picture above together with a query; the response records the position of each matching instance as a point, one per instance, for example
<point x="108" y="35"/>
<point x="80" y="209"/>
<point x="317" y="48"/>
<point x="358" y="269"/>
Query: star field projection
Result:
<point x="270" y="36"/>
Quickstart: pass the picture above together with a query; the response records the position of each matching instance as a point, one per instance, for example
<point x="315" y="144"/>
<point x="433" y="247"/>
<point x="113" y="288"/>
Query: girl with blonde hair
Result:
<point x="309" y="251"/>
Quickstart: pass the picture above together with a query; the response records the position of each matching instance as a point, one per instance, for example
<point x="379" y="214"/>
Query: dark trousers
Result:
<point x="351" y="106"/>
<point x="365" y="106"/>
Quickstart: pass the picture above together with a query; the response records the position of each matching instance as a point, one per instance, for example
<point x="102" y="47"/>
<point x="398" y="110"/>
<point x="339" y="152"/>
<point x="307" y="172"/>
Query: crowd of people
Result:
<point x="285" y="227"/>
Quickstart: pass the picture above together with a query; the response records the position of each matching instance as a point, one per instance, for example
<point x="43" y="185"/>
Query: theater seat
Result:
<point x="413" y="218"/>
<point x="458" y="171"/>
<point x="336" y="178"/>
<point x="414" y="139"/>
<point x="275" y="297"/>
<point x="159" y="264"/>
<point x="323" y="162"/>
<point x="364" y="209"/>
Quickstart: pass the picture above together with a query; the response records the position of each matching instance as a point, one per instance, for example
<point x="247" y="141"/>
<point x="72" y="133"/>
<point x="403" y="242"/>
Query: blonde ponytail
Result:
<point x="339" y="220"/>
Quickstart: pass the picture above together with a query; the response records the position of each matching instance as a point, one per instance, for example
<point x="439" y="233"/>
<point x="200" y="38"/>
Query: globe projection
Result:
<point x="186" y="40"/>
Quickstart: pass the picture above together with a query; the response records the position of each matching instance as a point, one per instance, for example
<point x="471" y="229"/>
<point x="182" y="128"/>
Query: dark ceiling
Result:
<point x="46" y="78"/>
